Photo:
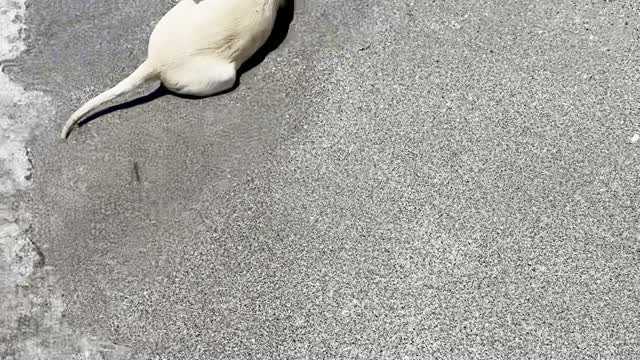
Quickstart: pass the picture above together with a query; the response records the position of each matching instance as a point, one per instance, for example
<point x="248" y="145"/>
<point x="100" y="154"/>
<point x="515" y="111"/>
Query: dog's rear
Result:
<point x="227" y="32"/>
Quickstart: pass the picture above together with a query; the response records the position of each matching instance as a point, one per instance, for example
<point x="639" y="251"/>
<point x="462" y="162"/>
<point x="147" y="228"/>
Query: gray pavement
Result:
<point x="397" y="180"/>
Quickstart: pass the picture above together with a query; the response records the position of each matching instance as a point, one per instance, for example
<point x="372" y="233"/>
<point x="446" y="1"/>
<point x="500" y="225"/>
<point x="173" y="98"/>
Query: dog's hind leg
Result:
<point x="200" y="76"/>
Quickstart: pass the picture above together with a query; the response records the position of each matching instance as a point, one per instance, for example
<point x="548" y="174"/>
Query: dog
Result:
<point x="196" y="49"/>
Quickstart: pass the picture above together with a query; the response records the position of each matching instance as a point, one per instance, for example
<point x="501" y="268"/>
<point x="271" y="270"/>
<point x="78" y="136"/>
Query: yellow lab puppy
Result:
<point x="196" y="48"/>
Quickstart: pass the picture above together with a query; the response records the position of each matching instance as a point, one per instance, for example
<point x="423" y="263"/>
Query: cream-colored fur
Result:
<point x="196" y="48"/>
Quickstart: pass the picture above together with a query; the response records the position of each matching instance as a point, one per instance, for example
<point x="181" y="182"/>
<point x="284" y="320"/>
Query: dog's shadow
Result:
<point x="278" y="34"/>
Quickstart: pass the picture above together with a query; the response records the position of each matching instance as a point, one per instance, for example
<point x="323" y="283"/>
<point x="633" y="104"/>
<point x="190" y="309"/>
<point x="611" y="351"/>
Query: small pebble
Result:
<point x="635" y="138"/>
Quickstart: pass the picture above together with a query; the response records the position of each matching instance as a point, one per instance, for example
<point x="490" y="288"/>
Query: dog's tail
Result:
<point x="145" y="72"/>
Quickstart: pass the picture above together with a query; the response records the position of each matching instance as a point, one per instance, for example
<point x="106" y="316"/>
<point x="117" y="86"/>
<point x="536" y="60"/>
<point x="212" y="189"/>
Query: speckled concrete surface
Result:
<point x="398" y="180"/>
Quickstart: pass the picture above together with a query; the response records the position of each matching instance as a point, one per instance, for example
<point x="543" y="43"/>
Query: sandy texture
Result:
<point x="398" y="180"/>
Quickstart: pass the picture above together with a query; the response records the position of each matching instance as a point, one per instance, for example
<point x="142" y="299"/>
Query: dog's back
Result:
<point x="228" y="30"/>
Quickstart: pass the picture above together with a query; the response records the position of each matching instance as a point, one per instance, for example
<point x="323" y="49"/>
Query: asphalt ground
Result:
<point x="395" y="180"/>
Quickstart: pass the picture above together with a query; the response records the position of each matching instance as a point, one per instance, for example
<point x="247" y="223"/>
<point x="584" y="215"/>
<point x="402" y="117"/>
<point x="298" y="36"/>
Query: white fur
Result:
<point x="195" y="49"/>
